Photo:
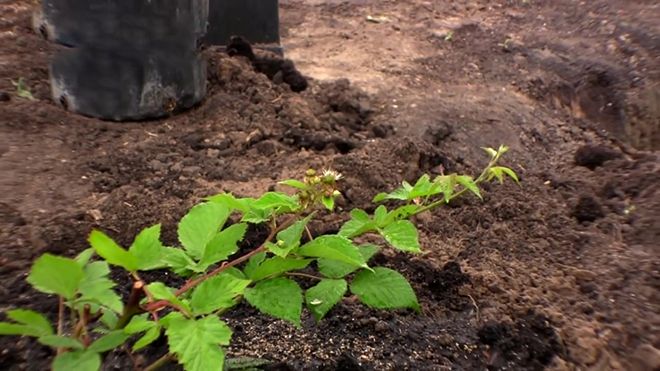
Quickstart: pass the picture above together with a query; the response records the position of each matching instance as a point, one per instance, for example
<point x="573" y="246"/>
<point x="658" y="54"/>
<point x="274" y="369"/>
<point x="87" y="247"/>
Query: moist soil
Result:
<point x="559" y="273"/>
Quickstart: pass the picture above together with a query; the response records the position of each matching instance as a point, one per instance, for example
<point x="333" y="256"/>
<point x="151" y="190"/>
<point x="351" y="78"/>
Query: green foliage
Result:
<point x="325" y="295"/>
<point x="279" y="297"/>
<point x="22" y="89"/>
<point x="384" y="288"/>
<point x="266" y="277"/>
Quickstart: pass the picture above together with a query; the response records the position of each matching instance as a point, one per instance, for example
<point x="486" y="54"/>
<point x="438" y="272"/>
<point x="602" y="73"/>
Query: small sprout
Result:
<point x="22" y="89"/>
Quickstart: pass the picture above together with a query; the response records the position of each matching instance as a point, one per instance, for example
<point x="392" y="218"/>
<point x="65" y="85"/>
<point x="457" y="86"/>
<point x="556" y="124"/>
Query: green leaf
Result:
<point x="467" y="182"/>
<point x="495" y="172"/>
<point x="109" y="341"/>
<point x="56" y="275"/>
<point x="401" y="212"/>
<point x="380" y="214"/>
<point x="384" y="288"/>
<point x="109" y="319"/>
<point x="97" y="287"/>
<point x="22" y="89"/>
<point x="279" y="297"/>
<point x="200" y="225"/>
<point x="507" y="171"/>
<point x="229" y="201"/>
<point x="178" y="261"/>
<point x="359" y="223"/>
<point x="196" y="342"/>
<point x="162" y="292"/>
<point x="217" y="292"/>
<point x="80" y="360"/>
<point x="254" y="263"/>
<point x="447" y="184"/>
<point x="325" y="295"/>
<point x="491" y="152"/>
<point x="402" y="235"/>
<point x="139" y="323"/>
<point x="294" y="183"/>
<point x="60" y="342"/>
<point x="29" y="323"/>
<point x="336" y="269"/>
<point x="328" y="202"/>
<point x="276" y="201"/>
<point x="83" y="258"/>
<point x="334" y="247"/>
<point x="148" y="250"/>
<point x="37" y="321"/>
<point x="424" y="188"/>
<point x="108" y="249"/>
<point x="222" y="245"/>
<point x="149" y="337"/>
<point x="289" y="238"/>
<point x="275" y="266"/>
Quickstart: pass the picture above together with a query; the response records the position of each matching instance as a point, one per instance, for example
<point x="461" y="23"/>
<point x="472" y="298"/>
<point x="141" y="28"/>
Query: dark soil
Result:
<point x="560" y="273"/>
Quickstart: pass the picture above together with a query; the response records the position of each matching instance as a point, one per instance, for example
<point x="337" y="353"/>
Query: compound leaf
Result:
<point x="279" y="297"/>
<point x="222" y="245"/>
<point x="96" y="287"/>
<point x="56" y="275"/>
<point x="197" y="342"/>
<point x="384" y="288"/>
<point x="29" y="323"/>
<point x="325" y="295"/>
<point x="217" y="292"/>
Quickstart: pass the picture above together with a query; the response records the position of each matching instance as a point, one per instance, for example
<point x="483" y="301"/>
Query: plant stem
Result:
<point x="156" y="305"/>
<point x="160" y="362"/>
<point x="298" y="274"/>
<point x="60" y="321"/>
<point x="132" y="306"/>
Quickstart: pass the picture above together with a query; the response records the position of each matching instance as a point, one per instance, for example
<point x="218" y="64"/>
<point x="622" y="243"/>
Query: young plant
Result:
<point x="92" y="319"/>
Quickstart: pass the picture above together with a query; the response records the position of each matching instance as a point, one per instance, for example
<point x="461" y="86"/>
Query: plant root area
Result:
<point x="560" y="273"/>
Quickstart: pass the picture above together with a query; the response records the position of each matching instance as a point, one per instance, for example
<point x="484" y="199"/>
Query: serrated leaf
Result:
<point x="148" y="250"/>
<point x="279" y="297"/>
<point x="467" y="182"/>
<point x="328" y="202"/>
<point x="447" y="184"/>
<point x="83" y="258"/>
<point x="424" y="188"/>
<point x="336" y="269"/>
<point x="217" y="292"/>
<point x="56" y="341"/>
<point x="109" y="250"/>
<point x="97" y="287"/>
<point x="333" y="247"/>
<point x="223" y="245"/>
<point x="231" y="202"/>
<point x="380" y="214"/>
<point x="294" y="183"/>
<point x="161" y="292"/>
<point x="359" y="223"/>
<point x="56" y="275"/>
<point x="29" y="323"/>
<point x="197" y="342"/>
<point x="289" y="237"/>
<point x="508" y="172"/>
<point x="178" y="261"/>
<point x="254" y="263"/>
<point x="109" y="319"/>
<point x="384" y="288"/>
<point x="402" y="235"/>
<point x="200" y="225"/>
<point x="496" y="172"/>
<point x="80" y="360"/>
<point x="149" y="337"/>
<point x="276" y="265"/>
<point x="325" y="295"/>
<point x="138" y="324"/>
<point x="276" y="201"/>
<point x="109" y="341"/>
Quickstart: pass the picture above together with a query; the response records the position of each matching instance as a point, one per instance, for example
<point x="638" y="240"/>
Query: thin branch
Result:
<point x="298" y="274"/>
<point x="156" y="305"/>
<point x="160" y="362"/>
